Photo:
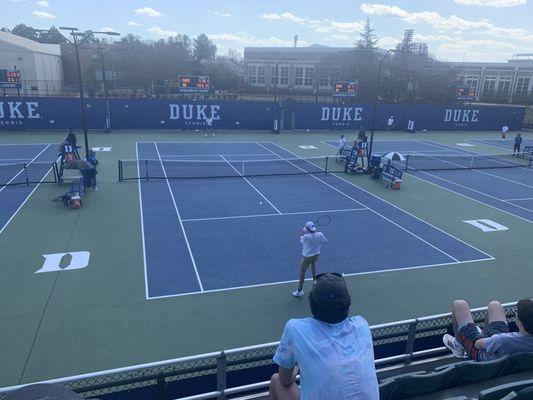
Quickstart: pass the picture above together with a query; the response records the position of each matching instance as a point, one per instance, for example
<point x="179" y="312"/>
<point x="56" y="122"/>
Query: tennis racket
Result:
<point x="323" y="220"/>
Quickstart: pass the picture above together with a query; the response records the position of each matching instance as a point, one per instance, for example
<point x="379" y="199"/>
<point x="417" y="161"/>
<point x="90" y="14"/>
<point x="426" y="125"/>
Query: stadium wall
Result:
<point x="38" y="113"/>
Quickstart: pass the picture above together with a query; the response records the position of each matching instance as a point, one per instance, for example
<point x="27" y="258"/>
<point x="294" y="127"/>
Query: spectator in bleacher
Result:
<point x="517" y="143"/>
<point x="333" y="353"/>
<point x="495" y="340"/>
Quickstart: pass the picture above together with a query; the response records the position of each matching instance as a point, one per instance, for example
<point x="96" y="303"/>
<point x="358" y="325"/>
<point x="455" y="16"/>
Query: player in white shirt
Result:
<point x="390" y="124"/>
<point x="311" y="241"/>
<point x="505" y="129"/>
<point x="342" y="143"/>
<point x="209" y="126"/>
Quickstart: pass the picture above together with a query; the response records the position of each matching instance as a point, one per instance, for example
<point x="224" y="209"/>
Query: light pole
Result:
<point x="79" y="38"/>
<point x="104" y="82"/>
<point x="376" y="96"/>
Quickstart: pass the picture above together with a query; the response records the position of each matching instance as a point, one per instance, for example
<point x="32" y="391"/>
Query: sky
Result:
<point x="455" y="30"/>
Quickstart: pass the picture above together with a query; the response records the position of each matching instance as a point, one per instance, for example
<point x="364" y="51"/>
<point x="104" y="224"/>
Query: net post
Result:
<point x="326" y="168"/>
<point x="406" y="162"/>
<point x="120" y="170"/>
<point x="147" y="176"/>
<point x="54" y="168"/>
<point x="25" y="166"/>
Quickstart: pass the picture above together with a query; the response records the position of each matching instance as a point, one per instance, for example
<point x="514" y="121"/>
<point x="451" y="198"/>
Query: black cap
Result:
<point x="330" y="289"/>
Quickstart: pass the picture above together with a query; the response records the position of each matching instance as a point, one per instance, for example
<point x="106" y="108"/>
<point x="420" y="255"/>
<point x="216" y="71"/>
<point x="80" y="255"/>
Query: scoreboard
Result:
<point x="466" y="93"/>
<point x="345" y="89"/>
<point x="193" y="84"/>
<point x="10" y="79"/>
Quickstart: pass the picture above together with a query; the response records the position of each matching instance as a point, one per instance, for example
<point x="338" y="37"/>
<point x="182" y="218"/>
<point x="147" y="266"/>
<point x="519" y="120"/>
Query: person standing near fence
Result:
<point x="505" y="129"/>
<point x="342" y="143"/>
<point x="517" y="143"/>
<point x="390" y="124"/>
<point x="334" y="353"/>
<point x="209" y="126"/>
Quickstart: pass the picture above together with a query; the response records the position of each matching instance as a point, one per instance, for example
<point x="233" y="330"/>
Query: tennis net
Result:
<point x="196" y="169"/>
<point x="22" y="173"/>
<point x="422" y="162"/>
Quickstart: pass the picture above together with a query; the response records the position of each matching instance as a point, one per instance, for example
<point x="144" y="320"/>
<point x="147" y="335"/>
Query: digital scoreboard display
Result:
<point x="345" y="89"/>
<point x="466" y="93"/>
<point x="193" y="84"/>
<point x="10" y="79"/>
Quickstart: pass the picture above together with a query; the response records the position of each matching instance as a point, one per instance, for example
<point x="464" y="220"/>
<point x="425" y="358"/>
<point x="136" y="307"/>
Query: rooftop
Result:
<point x="29" y="45"/>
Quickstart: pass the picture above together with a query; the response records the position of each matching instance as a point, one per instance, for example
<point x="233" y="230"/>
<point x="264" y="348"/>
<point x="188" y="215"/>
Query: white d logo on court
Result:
<point x="52" y="262"/>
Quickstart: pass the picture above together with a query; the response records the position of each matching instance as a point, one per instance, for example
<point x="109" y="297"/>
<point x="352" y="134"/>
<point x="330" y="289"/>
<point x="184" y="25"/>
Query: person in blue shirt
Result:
<point x="495" y="340"/>
<point x="517" y="143"/>
<point x="333" y="352"/>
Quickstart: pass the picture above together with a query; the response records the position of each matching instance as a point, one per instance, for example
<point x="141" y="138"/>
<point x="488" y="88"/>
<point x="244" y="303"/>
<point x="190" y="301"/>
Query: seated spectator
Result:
<point x="495" y="340"/>
<point x="334" y="353"/>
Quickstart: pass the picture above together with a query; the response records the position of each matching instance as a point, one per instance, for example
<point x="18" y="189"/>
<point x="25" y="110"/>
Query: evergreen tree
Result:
<point x="369" y="39"/>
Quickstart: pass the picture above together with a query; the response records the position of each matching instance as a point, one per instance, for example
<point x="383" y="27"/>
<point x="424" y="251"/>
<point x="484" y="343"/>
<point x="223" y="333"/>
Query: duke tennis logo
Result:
<point x="19" y="110"/>
<point x="461" y="115"/>
<point x="342" y="114"/>
<point x="52" y="262"/>
<point x="194" y="111"/>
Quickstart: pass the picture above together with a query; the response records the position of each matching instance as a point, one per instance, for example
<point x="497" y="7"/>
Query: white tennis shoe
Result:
<point x="298" y="293"/>
<point x="454" y="346"/>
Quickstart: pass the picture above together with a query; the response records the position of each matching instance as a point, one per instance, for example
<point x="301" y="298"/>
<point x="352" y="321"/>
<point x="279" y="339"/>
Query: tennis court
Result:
<point x="22" y="167"/>
<point x="500" y="180"/>
<point x="242" y="230"/>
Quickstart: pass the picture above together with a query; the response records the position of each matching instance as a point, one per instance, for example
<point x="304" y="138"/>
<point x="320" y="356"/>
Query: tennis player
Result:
<point x="342" y="143"/>
<point x="517" y="143"/>
<point x="311" y="241"/>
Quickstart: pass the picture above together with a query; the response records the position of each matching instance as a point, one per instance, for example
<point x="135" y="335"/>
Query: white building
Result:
<point x="39" y="65"/>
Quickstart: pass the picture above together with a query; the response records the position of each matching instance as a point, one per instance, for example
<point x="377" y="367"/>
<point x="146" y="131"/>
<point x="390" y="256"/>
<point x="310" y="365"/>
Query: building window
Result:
<point x="309" y="74"/>
<point x="252" y="74"/>
<point x="489" y="85"/>
<point x="335" y="75"/>
<point x="261" y="74"/>
<point x="471" y="81"/>
<point x="522" y="85"/>
<point x="323" y="77"/>
<point x="284" y="76"/>
<point x="274" y="79"/>
<point x="298" y="76"/>
<point x="503" y="86"/>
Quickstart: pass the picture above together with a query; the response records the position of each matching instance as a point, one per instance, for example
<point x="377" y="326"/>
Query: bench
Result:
<point x="391" y="176"/>
<point x="528" y="151"/>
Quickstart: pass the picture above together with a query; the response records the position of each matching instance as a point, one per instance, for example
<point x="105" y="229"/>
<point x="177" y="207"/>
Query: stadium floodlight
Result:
<point x="68" y="28"/>
<point x="108" y="33"/>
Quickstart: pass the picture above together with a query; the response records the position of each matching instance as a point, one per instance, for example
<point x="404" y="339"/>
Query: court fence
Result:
<point x="222" y="374"/>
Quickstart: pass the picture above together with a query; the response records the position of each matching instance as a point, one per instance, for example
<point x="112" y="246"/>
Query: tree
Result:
<point x="51" y="36"/>
<point x="369" y="39"/>
<point x="203" y="48"/>
<point x="25" y="31"/>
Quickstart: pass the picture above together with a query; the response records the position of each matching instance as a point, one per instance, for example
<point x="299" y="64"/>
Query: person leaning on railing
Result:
<point x="334" y="353"/>
<point x="495" y="340"/>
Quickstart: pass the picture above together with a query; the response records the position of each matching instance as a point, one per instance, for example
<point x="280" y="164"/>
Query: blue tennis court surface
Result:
<point x="13" y="157"/>
<point x="504" y="144"/>
<point x="506" y="189"/>
<point x="217" y="234"/>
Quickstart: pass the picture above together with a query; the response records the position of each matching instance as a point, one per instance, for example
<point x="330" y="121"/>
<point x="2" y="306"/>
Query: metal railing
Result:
<point x="206" y="376"/>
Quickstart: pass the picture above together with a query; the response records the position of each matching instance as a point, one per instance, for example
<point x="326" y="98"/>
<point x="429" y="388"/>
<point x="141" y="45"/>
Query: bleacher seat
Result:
<point x="417" y="384"/>
<point x="467" y="372"/>
<point x="500" y="392"/>
<point x="519" y="362"/>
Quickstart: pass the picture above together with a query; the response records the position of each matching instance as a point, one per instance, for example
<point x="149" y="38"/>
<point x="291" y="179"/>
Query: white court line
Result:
<point x="395" y="206"/>
<point x="474" y="190"/>
<point x="142" y="224"/>
<point x="179" y="219"/>
<point x="471" y="153"/>
<point x="22" y="170"/>
<point x="309" y="279"/>
<point x="214" y="155"/>
<point x="471" y="198"/>
<point x="14" y="159"/>
<point x="27" y="197"/>
<point x="380" y="215"/>
<point x="273" y="215"/>
<point x="252" y="185"/>
<point x="520" y="199"/>
<point x="24" y="144"/>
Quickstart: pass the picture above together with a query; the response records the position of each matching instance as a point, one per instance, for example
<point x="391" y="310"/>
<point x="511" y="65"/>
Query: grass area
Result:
<point x="71" y="322"/>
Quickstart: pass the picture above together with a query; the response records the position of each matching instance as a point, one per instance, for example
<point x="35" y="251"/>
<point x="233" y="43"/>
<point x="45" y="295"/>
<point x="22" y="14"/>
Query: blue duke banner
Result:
<point x="19" y="113"/>
<point x="456" y="117"/>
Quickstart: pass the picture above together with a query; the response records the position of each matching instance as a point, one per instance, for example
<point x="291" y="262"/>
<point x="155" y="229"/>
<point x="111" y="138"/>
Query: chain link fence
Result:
<point x="246" y="369"/>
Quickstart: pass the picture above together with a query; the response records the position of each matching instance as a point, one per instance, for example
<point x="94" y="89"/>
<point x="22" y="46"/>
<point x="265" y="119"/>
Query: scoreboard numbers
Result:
<point x="345" y="89"/>
<point x="10" y="79"/>
<point x="193" y="84"/>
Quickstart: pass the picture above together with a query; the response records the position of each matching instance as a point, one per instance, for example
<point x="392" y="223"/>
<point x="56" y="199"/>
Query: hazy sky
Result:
<point x="473" y="30"/>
